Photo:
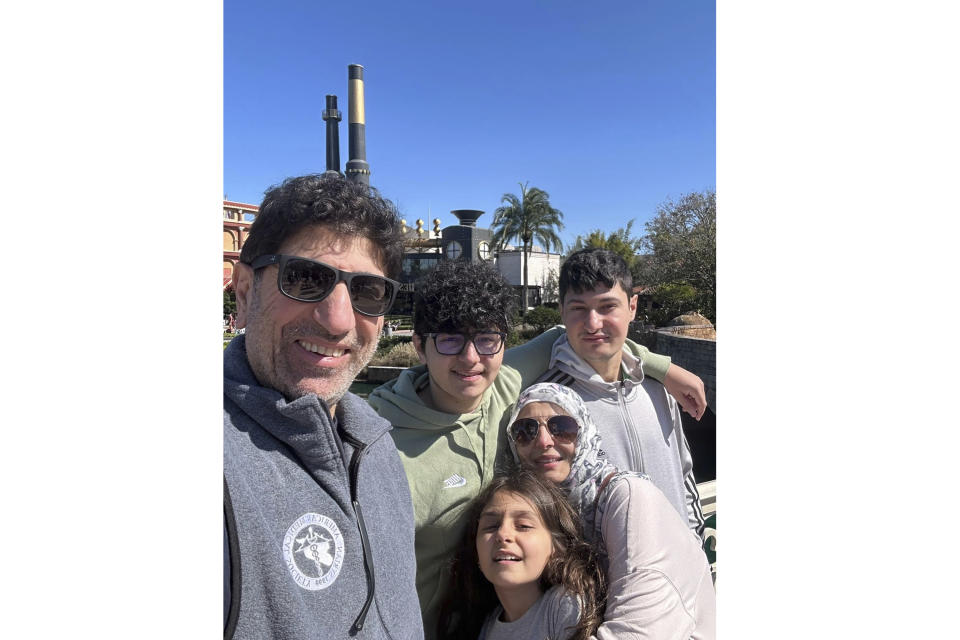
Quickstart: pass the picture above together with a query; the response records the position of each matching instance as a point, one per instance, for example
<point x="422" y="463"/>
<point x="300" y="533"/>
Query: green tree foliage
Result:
<point x="527" y="218"/>
<point x="672" y="300"/>
<point x="681" y="249"/>
<point x="551" y="287"/>
<point x="620" y="242"/>
<point x="229" y="303"/>
<point x="542" y="318"/>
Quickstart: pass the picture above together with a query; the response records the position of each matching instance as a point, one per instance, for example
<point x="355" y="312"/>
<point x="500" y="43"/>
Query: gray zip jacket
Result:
<point x="318" y="514"/>
<point x="639" y="423"/>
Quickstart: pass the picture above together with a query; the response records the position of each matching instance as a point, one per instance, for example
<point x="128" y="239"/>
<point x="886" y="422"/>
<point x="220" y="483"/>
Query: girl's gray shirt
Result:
<point x="553" y="617"/>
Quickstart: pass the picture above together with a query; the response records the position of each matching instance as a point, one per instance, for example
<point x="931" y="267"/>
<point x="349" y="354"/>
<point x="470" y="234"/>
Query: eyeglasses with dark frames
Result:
<point x="311" y="281"/>
<point x="562" y="428"/>
<point x="487" y="343"/>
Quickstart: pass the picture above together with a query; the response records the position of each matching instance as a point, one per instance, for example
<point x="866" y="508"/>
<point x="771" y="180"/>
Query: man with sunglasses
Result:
<point x="318" y="520"/>
<point x="638" y="420"/>
<point x="447" y="412"/>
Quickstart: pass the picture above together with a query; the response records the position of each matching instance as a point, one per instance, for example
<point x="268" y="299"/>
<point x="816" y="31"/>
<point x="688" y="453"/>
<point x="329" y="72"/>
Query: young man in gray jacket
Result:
<point x="317" y="513"/>
<point x="639" y="421"/>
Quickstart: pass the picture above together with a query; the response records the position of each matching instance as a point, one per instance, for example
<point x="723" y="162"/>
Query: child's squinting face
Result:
<point x="513" y="544"/>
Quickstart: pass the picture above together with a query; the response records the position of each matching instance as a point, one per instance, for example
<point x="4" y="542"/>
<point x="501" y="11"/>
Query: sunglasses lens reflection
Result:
<point x="306" y="280"/>
<point x="310" y="281"/>
<point x="525" y="430"/>
<point x="370" y="294"/>
<point x="561" y="428"/>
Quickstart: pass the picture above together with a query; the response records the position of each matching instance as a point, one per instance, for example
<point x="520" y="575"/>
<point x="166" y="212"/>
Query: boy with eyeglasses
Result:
<point x="447" y="412"/>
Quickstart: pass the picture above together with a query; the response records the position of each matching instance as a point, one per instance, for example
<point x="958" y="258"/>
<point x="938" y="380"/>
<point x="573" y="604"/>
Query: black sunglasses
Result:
<point x="486" y="343"/>
<point x="562" y="428"/>
<point x="311" y="281"/>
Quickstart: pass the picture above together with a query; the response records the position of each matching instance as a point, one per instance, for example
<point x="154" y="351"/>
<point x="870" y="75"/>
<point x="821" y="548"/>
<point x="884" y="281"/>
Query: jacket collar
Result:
<point x="564" y="358"/>
<point x="303" y="423"/>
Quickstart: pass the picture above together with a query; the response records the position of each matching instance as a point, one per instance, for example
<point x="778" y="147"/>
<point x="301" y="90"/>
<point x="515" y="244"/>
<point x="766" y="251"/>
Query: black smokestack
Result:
<point x="332" y="117"/>
<point x="357" y="168"/>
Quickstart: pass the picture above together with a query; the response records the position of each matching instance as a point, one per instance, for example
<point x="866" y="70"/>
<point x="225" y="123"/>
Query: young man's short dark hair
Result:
<point x="330" y="200"/>
<point x="587" y="269"/>
<point x="457" y="296"/>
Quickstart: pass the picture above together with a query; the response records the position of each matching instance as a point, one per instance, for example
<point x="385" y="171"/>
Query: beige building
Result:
<point x="237" y="218"/>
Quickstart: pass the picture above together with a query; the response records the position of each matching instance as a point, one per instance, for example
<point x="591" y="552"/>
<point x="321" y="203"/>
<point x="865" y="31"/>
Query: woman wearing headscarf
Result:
<point x="659" y="583"/>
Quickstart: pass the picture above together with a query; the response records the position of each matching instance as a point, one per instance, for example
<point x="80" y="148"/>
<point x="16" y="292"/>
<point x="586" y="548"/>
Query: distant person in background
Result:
<point x="448" y="413"/>
<point x="318" y="522"/>
<point x="637" y="416"/>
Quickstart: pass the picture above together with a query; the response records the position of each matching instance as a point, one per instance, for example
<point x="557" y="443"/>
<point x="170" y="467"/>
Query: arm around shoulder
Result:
<point x="532" y="358"/>
<point x="683" y="385"/>
<point x="654" y="364"/>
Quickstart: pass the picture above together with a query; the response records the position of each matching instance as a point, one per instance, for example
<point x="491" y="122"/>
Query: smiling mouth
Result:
<point x="545" y="460"/>
<point x="320" y="350"/>
<point x="506" y="557"/>
<point x="468" y="374"/>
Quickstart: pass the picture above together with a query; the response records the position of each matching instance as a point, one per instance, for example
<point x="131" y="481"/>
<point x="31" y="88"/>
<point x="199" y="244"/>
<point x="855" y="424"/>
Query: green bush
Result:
<point x="542" y="318"/>
<point x="521" y="334"/>
<point x="670" y="301"/>
<point x="388" y="342"/>
<point x="400" y="354"/>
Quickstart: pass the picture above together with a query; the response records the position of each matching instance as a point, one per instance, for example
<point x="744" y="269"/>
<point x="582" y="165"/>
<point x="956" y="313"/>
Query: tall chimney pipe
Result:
<point x="357" y="168"/>
<point x="331" y="115"/>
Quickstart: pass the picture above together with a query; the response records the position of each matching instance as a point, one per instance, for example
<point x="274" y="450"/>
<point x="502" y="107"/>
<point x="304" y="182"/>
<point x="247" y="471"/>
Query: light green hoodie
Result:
<point x="449" y="458"/>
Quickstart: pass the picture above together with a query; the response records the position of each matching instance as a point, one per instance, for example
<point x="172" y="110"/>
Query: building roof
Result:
<point x="241" y="205"/>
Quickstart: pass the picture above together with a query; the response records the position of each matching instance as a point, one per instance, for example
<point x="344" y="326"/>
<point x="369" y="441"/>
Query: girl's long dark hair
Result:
<point x="470" y="597"/>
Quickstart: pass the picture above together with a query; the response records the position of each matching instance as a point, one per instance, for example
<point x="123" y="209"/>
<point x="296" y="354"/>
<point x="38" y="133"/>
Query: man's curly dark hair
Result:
<point x="457" y="296"/>
<point x="330" y="200"/>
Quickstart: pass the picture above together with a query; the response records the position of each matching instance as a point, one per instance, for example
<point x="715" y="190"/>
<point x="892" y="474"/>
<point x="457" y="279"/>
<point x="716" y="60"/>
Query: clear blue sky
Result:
<point x="609" y="110"/>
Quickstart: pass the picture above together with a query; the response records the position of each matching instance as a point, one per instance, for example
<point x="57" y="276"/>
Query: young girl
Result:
<point x="659" y="583"/>
<point x="522" y="571"/>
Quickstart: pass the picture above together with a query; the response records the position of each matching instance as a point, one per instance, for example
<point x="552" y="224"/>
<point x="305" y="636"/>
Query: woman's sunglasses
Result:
<point x="310" y="281"/>
<point x="562" y="428"/>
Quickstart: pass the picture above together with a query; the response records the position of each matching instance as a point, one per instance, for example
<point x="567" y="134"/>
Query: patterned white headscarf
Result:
<point x="588" y="468"/>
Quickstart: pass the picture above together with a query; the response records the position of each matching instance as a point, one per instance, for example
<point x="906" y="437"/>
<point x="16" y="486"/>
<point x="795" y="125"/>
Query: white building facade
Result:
<point x="510" y="264"/>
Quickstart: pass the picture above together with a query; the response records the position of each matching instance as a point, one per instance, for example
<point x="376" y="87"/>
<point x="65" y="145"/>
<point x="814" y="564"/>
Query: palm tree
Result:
<point x="527" y="218"/>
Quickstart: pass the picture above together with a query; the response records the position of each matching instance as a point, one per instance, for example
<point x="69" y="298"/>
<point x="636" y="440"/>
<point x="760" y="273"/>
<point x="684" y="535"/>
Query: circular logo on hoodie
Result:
<point x="313" y="551"/>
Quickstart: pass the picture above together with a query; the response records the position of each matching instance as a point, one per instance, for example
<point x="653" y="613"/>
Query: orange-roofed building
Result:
<point x="237" y="218"/>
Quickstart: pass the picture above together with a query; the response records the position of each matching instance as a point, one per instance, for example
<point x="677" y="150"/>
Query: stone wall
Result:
<point x="381" y="374"/>
<point x="694" y="354"/>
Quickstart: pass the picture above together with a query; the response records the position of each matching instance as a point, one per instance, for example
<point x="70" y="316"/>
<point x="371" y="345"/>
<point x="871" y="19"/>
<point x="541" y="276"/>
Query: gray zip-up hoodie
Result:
<point x="320" y="517"/>
<point x="639" y="424"/>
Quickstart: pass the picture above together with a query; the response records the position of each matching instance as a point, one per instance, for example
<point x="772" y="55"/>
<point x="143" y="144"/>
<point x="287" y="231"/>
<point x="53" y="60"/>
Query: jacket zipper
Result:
<point x="632" y="437"/>
<point x="359" y="449"/>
